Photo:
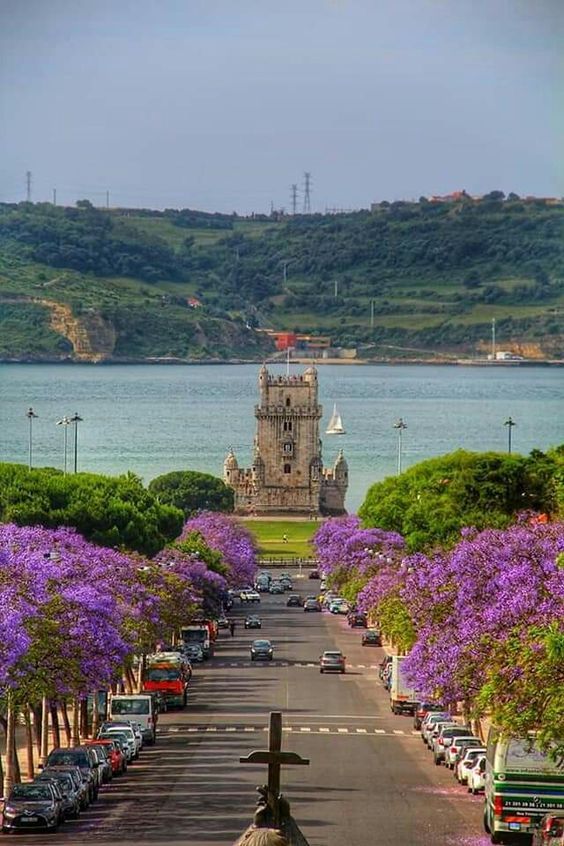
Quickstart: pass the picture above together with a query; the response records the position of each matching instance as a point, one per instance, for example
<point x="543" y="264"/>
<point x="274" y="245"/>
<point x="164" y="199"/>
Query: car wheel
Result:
<point x="437" y="761"/>
<point x="497" y="837"/>
<point x="320" y="670"/>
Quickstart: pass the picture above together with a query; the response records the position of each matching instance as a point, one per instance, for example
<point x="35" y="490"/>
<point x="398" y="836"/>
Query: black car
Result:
<point x="357" y="619"/>
<point x="253" y="622"/>
<point x="65" y="790"/>
<point x="314" y="574"/>
<point x="261" y="650"/>
<point x="312" y="605"/>
<point x="371" y="638"/>
<point x="294" y="601"/>
<point x="81" y="785"/>
<point x="32" y="806"/>
<point x="79" y="756"/>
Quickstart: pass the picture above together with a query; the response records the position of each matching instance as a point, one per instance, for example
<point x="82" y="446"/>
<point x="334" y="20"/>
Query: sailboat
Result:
<point x="335" y="426"/>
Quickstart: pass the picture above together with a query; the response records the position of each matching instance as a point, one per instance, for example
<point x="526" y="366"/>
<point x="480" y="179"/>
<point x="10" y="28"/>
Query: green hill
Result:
<point x="412" y="279"/>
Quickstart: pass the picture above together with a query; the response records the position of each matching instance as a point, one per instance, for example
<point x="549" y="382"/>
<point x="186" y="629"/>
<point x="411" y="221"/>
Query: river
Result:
<point x="155" y="418"/>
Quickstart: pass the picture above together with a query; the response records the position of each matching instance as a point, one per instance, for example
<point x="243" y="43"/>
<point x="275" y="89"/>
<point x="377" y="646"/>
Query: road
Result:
<point x="370" y="780"/>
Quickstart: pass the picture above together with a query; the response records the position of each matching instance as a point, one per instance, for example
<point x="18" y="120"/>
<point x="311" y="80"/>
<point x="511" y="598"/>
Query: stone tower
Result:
<point x="287" y="474"/>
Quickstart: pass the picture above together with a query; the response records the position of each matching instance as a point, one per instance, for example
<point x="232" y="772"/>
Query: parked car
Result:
<point x="104" y="764"/>
<point x="130" y="728"/>
<point x="253" y="622"/>
<point x="223" y="622"/>
<point x="69" y="793"/>
<point x="332" y="662"/>
<point x="250" y="596"/>
<point x="294" y="601"/>
<point x="116" y="756"/>
<point x="371" y="637"/>
<point x="261" y="650"/>
<point x="313" y="574"/>
<point x="32" y="806"/>
<point x="465" y="764"/>
<point x="429" y="723"/>
<point x="78" y="756"/>
<point x="454" y="748"/>
<point x="463" y="747"/>
<point x="550" y="832"/>
<point x="276" y="587"/>
<point x="385" y="663"/>
<point x="423" y="708"/>
<point x="286" y="582"/>
<point x="126" y="742"/>
<point x="194" y="653"/>
<point x="312" y="605"/>
<point x="339" y="606"/>
<point x="477" y="777"/>
<point x="443" y="740"/>
<point x="81" y="783"/>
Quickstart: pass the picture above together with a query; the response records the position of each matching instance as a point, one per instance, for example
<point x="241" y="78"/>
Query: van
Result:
<point x="139" y="707"/>
<point x="522" y="784"/>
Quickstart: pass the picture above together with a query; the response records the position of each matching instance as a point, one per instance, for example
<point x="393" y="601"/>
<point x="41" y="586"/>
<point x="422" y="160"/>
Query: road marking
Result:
<point x="361" y="731"/>
<point x="415" y="732"/>
<point x="286" y="728"/>
<point x="379" y="731"/>
<point x="211" y="728"/>
<point x="249" y="728"/>
<point x="399" y="731"/>
<point x="305" y="728"/>
<point x="231" y="728"/>
<point x="361" y="666"/>
<point x="174" y="729"/>
<point x="323" y="730"/>
<point x="342" y="731"/>
<point x="193" y="729"/>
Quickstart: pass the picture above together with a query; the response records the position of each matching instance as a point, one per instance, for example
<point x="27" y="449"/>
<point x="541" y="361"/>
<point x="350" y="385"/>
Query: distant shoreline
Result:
<point x="302" y="361"/>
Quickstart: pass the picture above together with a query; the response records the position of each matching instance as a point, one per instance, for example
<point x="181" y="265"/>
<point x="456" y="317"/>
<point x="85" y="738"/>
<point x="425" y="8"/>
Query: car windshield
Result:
<point x="261" y="644"/>
<point x="332" y="656"/>
<point x="163" y="674"/>
<point x="66" y="758"/>
<point x="131" y="706"/>
<point x="32" y="792"/>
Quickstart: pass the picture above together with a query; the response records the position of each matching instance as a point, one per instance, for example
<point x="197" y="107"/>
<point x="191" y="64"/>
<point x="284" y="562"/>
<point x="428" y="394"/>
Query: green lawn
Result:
<point x="269" y="536"/>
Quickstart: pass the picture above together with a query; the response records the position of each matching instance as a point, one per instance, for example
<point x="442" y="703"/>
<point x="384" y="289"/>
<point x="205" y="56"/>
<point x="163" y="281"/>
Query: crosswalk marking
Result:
<point x="398" y="731"/>
<point x="175" y="729"/>
<point x="313" y="729"/>
<point x="361" y="731"/>
<point x="211" y="728"/>
<point x="191" y="729"/>
<point x="379" y="731"/>
<point x="230" y="728"/>
<point x="323" y="730"/>
<point x="305" y="728"/>
<point x="342" y="731"/>
<point x="249" y="728"/>
<point x="286" y="728"/>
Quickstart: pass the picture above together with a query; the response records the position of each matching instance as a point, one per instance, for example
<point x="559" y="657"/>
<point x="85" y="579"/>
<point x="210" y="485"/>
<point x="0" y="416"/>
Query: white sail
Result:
<point x="335" y="426"/>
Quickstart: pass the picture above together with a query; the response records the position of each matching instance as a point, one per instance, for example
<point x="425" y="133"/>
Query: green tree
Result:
<point x="192" y="491"/>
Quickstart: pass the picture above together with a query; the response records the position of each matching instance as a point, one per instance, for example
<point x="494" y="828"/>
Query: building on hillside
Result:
<point x="287" y="476"/>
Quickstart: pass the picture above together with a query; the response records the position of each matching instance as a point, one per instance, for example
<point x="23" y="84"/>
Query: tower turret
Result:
<point x="230" y="468"/>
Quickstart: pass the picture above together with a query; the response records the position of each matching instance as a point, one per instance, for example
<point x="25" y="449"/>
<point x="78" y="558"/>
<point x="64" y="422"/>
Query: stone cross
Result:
<point x="275" y="759"/>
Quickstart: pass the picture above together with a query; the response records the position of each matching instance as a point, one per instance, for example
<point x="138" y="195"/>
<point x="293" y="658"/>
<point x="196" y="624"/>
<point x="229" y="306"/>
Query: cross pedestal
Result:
<point x="275" y="758"/>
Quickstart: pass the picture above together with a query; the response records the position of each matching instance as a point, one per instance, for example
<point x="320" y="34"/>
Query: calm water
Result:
<point x="152" y="419"/>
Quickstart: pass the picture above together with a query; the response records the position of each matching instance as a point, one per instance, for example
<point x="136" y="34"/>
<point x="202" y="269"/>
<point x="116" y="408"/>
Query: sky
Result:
<point x="223" y="105"/>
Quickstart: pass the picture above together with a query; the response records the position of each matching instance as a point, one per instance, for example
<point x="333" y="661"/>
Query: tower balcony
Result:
<point x="314" y="411"/>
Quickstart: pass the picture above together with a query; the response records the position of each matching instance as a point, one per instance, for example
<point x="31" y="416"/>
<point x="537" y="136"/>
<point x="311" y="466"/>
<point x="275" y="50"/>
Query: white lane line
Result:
<point x="211" y="728"/>
<point x="324" y="730"/>
<point x="398" y="731"/>
<point x="361" y="666"/>
<point x="173" y="729"/>
<point x="230" y="728"/>
<point x="343" y="731"/>
<point x="361" y="731"/>
<point x="379" y="731"/>
<point x="415" y="732"/>
<point x="305" y="728"/>
<point x="249" y="728"/>
<point x="286" y="728"/>
<point x="192" y="729"/>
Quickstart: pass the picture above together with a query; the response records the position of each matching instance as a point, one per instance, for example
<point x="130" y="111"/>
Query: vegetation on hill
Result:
<point x="401" y="279"/>
<point x="191" y="491"/>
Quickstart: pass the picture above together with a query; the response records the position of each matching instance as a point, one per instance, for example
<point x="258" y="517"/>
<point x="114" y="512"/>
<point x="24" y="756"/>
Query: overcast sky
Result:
<point x="223" y="104"/>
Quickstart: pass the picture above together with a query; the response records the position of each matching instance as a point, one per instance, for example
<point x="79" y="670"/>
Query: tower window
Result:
<point x="287" y="425"/>
<point x="287" y="468"/>
<point x="287" y="402"/>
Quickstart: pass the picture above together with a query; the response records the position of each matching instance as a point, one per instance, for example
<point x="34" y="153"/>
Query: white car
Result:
<point x="452" y="751"/>
<point x="477" y="776"/>
<point x="465" y="765"/>
<point x="339" y="606"/>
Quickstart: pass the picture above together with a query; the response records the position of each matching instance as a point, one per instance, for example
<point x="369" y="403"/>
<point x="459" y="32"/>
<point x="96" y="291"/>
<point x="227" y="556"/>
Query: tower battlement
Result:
<point x="287" y="474"/>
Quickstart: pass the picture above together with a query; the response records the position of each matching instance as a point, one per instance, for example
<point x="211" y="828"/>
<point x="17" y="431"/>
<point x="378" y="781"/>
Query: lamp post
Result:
<point x="31" y="416"/>
<point x="400" y="425"/>
<point x="76" y="420"/>
<point x="510" y="424"/>
<point x="65" y="423"/>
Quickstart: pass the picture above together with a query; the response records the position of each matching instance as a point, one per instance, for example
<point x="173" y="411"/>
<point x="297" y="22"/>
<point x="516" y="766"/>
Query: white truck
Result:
<point x="403" y="698"/>
<point x="198" y="634"/>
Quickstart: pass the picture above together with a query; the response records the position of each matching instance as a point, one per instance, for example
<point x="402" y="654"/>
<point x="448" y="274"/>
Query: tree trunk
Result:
<point x="30" y="770"/>
<point x="44" y="730"/>
<point x="75" y="735"/>
<point x="36" y="727"/>
<point x="9" y="774"/>
<point x="84" y="719"/>
<point x="17" y="768"/>
<point x="55" y="725"/>
<point x="66" y="724"/>
<point x="95" y="715"/>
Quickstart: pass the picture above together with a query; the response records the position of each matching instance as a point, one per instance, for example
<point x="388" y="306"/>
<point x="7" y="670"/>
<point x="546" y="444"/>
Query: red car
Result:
<point x="116" y="756"/>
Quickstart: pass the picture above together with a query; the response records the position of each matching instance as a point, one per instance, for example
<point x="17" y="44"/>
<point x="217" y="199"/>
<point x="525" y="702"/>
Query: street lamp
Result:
<point x="400" y="425"/>
<point x="76" y="420"/>
<point x="31" y="416"/>
<point x="510" y="424"/>
<point x="65" y="423"/>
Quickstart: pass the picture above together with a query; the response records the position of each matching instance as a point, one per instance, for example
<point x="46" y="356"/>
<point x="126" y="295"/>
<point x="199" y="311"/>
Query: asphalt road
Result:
<point x="370" y="781"/>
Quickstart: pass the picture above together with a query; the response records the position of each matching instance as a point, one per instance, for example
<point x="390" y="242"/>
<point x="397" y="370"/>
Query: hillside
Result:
<point x="412" y="279"/>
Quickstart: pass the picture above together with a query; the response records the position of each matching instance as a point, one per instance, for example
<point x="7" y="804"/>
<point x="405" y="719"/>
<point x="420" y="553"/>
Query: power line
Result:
<point x="307" y="192"/>
<point x="294" y="198"/>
